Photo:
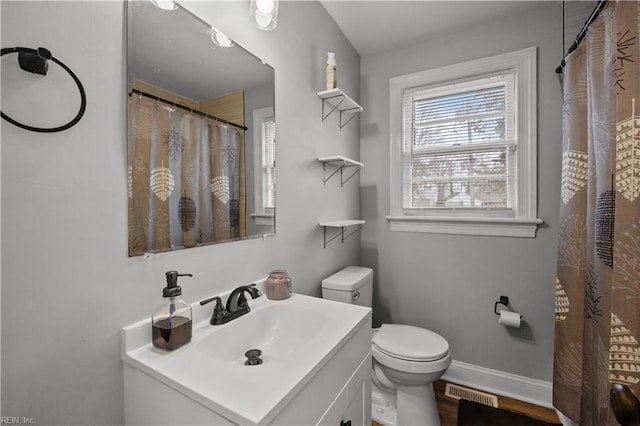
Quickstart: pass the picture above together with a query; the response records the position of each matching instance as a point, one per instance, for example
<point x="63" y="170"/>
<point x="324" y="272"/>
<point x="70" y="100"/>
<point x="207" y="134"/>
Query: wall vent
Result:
<point x="459" y="392"/>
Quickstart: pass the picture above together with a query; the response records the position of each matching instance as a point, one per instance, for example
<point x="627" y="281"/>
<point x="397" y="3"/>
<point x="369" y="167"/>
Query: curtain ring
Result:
<point x="35" y="61"/>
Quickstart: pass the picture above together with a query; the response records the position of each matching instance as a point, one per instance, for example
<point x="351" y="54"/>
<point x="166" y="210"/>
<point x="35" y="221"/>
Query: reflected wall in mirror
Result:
<point x="201" y="134"/>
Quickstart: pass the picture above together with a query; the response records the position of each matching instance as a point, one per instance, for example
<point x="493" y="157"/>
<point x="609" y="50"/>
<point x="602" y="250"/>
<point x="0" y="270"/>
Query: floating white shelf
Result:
<point x="340" y="159"/>
<point x="341" y="163"/>
<point x="336" y="99"/>
<point x="342" y="224"/>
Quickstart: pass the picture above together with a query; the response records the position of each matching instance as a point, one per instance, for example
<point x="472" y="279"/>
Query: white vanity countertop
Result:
<point x="244" y="394"/>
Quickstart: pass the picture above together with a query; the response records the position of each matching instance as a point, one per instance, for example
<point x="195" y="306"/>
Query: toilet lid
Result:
<point x="410" y="342"/>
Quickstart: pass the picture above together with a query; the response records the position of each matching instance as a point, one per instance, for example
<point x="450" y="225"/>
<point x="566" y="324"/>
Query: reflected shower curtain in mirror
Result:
<point x="186" y="179"/>
<point x="597" y="288"/>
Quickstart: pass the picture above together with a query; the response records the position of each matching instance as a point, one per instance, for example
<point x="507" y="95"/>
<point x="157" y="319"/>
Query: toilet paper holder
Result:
<point x="504" y="300"/>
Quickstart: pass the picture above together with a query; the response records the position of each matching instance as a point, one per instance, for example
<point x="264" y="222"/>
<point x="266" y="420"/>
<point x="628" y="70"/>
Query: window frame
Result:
<point x="263" y="215"/>
<point x="472" y="221"/>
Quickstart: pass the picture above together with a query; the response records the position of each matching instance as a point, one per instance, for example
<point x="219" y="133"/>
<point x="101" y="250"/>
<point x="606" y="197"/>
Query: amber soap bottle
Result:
<point x="171" y="324"/>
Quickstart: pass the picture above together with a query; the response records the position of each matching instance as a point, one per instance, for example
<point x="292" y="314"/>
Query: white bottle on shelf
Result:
<point x="331" y="71"/>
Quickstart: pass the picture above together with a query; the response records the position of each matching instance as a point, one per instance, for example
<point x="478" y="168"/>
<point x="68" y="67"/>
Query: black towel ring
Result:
<point x="35" y="61"/>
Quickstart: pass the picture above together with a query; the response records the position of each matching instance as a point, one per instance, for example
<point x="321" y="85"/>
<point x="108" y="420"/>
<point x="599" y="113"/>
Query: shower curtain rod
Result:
<point x="582" y="33"/>
<point x="195" y="111"/>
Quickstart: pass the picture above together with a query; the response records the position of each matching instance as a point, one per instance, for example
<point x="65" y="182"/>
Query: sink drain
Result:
<point x="253" y="357"/>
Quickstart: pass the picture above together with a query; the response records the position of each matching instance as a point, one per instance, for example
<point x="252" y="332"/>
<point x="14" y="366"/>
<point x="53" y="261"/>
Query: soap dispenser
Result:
<point x="171" y="324"/>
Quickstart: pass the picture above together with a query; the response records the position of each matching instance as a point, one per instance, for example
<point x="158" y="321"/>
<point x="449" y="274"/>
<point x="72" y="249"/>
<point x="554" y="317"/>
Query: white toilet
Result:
<point x="406" y="359"/>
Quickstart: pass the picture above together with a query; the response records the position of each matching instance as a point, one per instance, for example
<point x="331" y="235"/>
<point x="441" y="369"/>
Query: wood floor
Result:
<point x="448" y="408"/>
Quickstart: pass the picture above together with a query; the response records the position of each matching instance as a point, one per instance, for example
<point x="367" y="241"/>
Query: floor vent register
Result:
<point x="459" y="392"/>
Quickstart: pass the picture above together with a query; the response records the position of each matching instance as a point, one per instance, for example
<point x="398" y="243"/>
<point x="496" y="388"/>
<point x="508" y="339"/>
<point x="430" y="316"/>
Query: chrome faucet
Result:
<point x="236" y="304"/>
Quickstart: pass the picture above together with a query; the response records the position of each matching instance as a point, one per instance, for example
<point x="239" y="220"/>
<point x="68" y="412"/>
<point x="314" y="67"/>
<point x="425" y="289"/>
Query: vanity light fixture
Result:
<point x="219" y="39"/>
<point x="264" y="13"/>
<point x="165" y="4"/>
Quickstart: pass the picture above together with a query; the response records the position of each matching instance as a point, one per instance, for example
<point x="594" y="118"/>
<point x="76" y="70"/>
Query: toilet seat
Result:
<point x="410" y="349"/>
<point x="410" y="343"/>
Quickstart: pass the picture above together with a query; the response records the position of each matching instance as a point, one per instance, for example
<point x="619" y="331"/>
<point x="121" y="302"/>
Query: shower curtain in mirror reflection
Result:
<point x="597" y="288"/>
<point x="186" y="179"/>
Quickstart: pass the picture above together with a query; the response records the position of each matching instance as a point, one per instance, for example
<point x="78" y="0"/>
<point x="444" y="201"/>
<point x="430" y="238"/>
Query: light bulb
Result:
<point x="220" y="39"/>
<point x="264" y="14"/>
<point x="264" y="6"/>
<point x="165" y="4"/>
<point x="263" y="20"/>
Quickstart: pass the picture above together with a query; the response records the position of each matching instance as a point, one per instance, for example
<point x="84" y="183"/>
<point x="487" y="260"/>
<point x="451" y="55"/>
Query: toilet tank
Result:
<point x="353" y="284"/>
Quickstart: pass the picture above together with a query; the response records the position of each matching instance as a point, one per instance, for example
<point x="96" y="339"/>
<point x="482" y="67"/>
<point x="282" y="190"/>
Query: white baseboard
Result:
<point x="498" y="382"/>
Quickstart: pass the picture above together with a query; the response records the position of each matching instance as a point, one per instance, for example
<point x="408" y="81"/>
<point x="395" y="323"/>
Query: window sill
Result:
<point x="488" y="226"/>
<point x="263" y="219"/>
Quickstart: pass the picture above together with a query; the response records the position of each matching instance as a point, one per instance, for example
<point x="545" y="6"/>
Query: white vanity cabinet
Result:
<point x="352" y="405"/>
<point x="329" y="383"/>
<point x="349" y="402"/>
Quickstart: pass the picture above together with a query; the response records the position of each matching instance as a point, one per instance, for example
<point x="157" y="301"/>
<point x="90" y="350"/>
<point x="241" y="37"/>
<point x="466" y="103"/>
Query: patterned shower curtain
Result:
<point x="598" y="272"/>
<point x="186" y="179"/>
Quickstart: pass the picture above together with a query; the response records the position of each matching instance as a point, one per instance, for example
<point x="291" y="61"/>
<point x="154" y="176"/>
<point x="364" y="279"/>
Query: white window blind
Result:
<point x="459" y="145"/>
<point x="268" y="163"/>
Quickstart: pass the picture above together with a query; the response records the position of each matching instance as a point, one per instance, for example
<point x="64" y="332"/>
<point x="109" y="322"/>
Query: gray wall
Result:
<point x="449" y="283"/>
<point x="67" y="283"/>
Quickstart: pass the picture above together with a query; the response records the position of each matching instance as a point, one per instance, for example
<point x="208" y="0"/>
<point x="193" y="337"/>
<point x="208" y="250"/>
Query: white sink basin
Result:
<point x="280" y="331"/>
<point x="297" y="337"/>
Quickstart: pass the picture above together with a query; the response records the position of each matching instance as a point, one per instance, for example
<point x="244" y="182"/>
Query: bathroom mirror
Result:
<point x="201" y="134"/>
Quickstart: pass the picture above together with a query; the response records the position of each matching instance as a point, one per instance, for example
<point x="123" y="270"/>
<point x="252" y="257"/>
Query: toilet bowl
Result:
<point x="406" y="360"/>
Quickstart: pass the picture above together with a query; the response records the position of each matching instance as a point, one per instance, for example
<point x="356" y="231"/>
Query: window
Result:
<point x="268" y="163"/>
<point x="265" y="165"/>
<point x="463" y="148"/>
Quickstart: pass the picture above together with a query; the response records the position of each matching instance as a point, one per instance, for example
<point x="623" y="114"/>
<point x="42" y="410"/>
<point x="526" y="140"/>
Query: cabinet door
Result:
<point x="354" y="414"/>
<point x="354" y="404"/>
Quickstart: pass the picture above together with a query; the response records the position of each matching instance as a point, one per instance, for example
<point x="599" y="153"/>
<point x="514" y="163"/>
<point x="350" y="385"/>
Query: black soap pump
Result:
<point x="171" y="324"/>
